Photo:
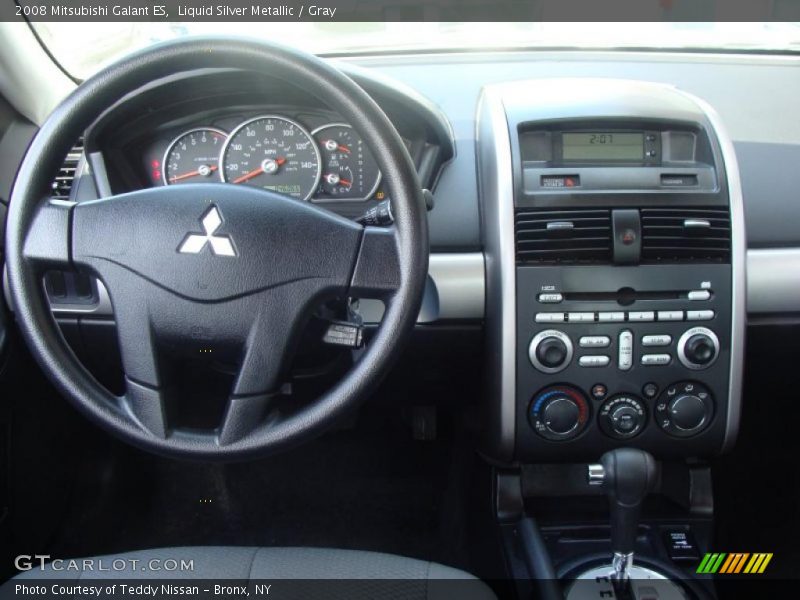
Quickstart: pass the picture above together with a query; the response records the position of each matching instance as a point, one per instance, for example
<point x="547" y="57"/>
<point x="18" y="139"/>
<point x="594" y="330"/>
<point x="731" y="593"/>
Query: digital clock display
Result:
<point x="603" y="146"/>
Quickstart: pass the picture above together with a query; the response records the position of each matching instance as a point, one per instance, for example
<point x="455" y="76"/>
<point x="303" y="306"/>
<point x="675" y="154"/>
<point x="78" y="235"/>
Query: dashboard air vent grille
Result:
<point x="62" y="184"/>
<point x="686" y="235"/>
<point x="563" y="236"/>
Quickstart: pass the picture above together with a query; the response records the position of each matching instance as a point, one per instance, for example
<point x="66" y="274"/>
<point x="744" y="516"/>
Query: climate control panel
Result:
<point x="609" y="357"/>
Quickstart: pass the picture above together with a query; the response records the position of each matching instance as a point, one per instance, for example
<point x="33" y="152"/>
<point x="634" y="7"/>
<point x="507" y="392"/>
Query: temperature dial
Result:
<point x="684" y="408"/>
<point x="623" y="416"/>
<point x="559" y="413"/>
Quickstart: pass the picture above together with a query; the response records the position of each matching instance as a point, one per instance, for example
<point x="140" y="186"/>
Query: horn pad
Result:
<point x="215" y="242"/>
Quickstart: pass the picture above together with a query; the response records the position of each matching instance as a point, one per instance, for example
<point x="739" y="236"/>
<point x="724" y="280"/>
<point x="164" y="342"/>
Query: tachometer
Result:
<point x="273" y="153"/>
<point x="349" y="171"/>
<point x="192" y="157"/>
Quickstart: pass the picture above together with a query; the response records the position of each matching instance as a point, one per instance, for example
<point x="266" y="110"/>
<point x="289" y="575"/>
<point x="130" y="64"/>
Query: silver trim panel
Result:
<point x="738" y="272"/>
<point x="773" y="286"/>
<point x="773" y="281"/>
<point x="454" y="291"/>
<point x="496" y="193"/>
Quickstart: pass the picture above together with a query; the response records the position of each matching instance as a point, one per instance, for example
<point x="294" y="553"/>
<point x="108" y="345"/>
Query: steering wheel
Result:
<point x="260" y="263"/>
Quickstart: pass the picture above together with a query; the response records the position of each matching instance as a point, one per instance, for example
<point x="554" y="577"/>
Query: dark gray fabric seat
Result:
<point x="359" y="574"/>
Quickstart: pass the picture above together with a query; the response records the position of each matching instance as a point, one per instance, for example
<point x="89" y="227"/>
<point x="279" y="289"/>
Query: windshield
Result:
<point x="82" y="48"/>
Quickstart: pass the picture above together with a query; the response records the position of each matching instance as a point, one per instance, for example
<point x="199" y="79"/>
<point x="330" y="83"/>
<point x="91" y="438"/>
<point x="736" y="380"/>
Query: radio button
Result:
<point x="594" y="341"/>
<point x="611" y="317"/>
<point x="656" y="359"/>
<point x="656" y="340"/>
<point x="625" y="359"/>
<point x="594" y="361"/>
<point x="550" y="298"/>
<point x="670" y="315"/>
<point x="582" y="317"/>
<point x="699" y="315"/>
<point x="699" y="295"/>
<point x="641" y="317"/>
<point x="549" y="317"/>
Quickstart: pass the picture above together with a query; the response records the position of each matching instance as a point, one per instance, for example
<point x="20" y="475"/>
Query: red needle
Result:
<point x="345" y="182"/>
<point x="190" y="174"/>
<point x="340" y="147"/>
<point x="249" y="175"/>
<point x="258" y="171"/>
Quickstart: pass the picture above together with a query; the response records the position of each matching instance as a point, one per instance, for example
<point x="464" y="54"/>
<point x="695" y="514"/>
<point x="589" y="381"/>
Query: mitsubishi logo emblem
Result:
<point x="221" y="245"/>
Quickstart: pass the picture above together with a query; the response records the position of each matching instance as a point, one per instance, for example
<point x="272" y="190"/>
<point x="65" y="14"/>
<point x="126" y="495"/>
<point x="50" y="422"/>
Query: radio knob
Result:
<point x="698" y="348"/>
<point x="684" y="409"/>
<point x="559" y="413"/>
<point x="550" y="351"/>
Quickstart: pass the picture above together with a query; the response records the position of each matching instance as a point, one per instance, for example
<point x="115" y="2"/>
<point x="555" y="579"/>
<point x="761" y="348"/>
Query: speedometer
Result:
<point x="272" y="153"/>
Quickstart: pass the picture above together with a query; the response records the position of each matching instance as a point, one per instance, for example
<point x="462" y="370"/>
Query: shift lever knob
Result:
<point x="627" y="476"/>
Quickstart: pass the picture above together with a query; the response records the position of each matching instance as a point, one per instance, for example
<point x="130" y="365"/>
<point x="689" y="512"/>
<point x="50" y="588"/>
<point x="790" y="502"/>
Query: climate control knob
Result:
<point x="622" y="416"/>
<point x="559" y="412"/>
<point x="550" y="351"/>
<point x="698" y="348"/>
<point x="684" y="409"/>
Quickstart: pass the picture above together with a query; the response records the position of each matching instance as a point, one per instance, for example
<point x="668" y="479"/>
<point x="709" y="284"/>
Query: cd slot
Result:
<point x="625" y="297"/>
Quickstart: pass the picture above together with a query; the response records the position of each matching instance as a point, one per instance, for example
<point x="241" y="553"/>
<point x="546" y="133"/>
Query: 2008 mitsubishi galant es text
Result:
<point x="406" y="314"/>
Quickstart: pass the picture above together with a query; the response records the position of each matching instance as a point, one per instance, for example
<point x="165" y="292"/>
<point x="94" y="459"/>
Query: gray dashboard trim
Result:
<point x="773" y="287"/>
<point x="455" y="290"/>
<point x="496" y="190"/>
<point x="773" y="281"/>
<point x="738" y="272"/>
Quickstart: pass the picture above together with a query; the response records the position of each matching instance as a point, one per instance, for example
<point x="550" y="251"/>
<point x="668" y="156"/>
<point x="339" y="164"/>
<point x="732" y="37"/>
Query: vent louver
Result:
<point x="686" y="235"/>
<point x="563" y="236"/>
<point x="62" y="184"/>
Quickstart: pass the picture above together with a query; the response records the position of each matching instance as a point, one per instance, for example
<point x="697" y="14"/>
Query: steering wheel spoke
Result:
<point x="242" y="415"/>
<point x="47" y="243"/>
<point x="147" y="405"/>
<point x="377" y="269"/>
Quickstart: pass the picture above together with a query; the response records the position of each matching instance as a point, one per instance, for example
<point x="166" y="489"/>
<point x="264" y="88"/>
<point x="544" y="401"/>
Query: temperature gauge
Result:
<point x="349" y="171"/>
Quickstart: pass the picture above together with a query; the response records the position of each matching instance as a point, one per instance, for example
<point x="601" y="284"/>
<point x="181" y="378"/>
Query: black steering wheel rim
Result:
<point x="404" y="249"/>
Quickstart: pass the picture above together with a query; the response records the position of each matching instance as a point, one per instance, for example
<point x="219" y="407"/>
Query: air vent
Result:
<point x="686" y="235"/>
<point x="62" y="184"/>
<point x="563" y="236"/>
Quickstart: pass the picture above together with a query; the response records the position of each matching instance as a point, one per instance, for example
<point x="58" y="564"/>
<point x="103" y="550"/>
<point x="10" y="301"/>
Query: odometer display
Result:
<point x="272" y="153"/>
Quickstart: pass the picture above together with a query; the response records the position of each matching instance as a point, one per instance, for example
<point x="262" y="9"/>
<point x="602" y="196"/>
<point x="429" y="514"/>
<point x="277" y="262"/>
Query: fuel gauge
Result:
<point x="349" y="171"/>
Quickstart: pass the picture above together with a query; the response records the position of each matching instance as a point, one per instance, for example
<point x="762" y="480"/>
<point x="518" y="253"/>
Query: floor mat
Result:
<point x="349" y="490"/>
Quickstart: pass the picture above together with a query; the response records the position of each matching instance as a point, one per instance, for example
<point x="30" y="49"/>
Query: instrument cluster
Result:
<point x="328" y="163"/>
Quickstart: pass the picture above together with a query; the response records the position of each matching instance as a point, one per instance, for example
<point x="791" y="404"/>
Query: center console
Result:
<point x="615" y="271"/>
<point x="615" y="309"/>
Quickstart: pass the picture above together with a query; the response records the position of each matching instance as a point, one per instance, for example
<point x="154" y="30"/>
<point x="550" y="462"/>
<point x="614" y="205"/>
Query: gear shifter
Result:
<point x="627" y="476"/>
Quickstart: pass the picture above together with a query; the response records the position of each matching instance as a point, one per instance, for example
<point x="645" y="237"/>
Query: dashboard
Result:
<point x="558" y="197"/>
<point x="272" y="152"/>
<point x="248" y="129"/>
